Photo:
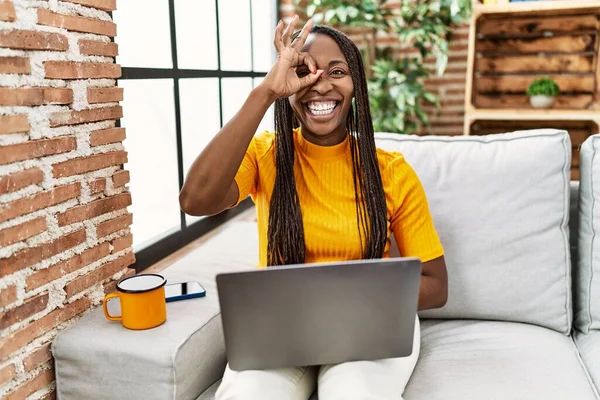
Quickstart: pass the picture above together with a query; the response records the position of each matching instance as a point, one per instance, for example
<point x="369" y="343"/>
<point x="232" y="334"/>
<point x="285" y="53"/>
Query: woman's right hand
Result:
<point x="282" y="80"/>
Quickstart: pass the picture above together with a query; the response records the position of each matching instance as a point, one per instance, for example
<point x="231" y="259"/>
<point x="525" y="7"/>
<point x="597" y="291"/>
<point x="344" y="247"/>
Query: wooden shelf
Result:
<point x="528" y="115"/>
<point x="546" y="7"/>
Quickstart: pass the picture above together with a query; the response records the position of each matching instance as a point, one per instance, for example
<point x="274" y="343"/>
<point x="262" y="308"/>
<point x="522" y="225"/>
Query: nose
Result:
<point x="322" y="85"/>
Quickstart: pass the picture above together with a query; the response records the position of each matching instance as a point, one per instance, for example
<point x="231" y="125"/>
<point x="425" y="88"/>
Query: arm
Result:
<point x="209" y="186"/>
<point x="433" y="292"/>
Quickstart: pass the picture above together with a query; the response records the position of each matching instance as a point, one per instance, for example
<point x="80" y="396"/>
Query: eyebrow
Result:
<point x="334" y="62"/>
<point x="331" y="64"/>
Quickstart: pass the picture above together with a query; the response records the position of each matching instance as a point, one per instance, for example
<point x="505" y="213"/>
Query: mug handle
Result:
<point x="105" y="307"/>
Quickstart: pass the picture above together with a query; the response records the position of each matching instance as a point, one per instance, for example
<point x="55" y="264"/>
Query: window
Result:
<point x="187" y="68"/>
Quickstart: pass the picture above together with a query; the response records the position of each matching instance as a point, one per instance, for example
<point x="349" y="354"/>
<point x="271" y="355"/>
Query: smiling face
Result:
<point x="322" y="108"/>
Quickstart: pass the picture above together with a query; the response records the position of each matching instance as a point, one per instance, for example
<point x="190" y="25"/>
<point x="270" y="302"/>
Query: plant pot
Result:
<point x="542" y="101"/>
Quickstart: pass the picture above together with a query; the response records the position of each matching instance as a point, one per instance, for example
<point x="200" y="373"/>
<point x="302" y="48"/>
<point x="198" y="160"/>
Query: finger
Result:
<point x="310" y="79"/>
<point x="301" y="39"/>
<point x="287" y="34"/>
<point x="306" y="59"/>
<point x="278" y="40"/>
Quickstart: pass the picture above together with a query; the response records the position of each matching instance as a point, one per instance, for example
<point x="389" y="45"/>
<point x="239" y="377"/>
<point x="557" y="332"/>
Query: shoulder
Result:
<point x="391" y="161"/>
<point x="395" y="170"/>
<point x="263" y="143"/>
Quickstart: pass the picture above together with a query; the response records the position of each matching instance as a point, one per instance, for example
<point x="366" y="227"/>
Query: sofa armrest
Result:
<point x="178" y="360"/>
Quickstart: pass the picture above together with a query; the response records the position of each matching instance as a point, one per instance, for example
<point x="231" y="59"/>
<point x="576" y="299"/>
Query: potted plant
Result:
<point x="542" y="93"/>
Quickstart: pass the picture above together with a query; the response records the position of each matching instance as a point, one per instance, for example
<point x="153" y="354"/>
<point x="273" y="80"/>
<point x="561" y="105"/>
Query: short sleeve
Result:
<point x="247" y="176"/>
<point x="411" y="221"/>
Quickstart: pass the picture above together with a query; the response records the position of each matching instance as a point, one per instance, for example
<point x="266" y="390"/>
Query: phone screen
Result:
<point x="182" y="289"/>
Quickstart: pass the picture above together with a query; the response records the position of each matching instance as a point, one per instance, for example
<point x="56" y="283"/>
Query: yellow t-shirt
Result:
<point x="326" y="191"/>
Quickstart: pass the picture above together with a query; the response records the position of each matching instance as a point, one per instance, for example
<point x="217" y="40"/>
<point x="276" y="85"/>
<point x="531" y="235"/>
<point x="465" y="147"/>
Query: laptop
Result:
<point x="316" y="314"/>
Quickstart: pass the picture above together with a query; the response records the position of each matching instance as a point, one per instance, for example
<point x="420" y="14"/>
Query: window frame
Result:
<point x="171" y="242"/>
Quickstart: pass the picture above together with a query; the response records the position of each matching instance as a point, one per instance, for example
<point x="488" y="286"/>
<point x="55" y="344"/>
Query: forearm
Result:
<point x="433" y="293"/>
<point x="212" y="173"/>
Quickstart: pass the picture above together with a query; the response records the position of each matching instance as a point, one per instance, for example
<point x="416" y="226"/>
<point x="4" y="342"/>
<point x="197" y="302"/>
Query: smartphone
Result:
<point x="183" y="291"/>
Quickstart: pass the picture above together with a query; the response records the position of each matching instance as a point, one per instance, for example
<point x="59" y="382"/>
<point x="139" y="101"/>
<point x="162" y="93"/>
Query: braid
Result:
<point x="286" y="230"/>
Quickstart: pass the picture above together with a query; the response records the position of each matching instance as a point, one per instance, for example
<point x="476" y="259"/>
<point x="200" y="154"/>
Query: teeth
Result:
<point x="321" y="107"/>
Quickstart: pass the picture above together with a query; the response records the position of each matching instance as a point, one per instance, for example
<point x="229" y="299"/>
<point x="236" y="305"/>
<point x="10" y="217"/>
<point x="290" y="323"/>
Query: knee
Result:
<point x="239" y="390"/>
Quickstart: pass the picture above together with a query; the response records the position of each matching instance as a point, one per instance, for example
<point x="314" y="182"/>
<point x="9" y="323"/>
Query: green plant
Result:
<point x="543" y="87"/>
<point x="396" y="91"/>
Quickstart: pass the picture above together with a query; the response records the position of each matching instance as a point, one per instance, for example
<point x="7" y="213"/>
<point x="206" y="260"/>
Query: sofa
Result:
<point x="523" y="314"/>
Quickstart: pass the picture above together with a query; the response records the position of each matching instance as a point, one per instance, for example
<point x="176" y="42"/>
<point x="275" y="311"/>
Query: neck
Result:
<point x="330" y="139"/>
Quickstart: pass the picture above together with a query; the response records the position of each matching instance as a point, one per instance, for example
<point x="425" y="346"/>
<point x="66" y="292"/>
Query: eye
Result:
<point x="338" y="72"/>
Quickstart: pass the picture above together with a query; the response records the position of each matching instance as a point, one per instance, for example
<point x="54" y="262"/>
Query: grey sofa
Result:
<point x="523" y="315"/>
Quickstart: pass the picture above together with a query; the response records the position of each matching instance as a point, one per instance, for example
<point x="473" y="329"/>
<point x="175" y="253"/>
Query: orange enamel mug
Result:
<point x="142" y="298"/>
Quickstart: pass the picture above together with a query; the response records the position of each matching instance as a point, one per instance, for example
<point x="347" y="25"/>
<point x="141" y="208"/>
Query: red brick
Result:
<point x="66" y="267"/>
<point x="122" y="243"/>
<point x="7" y="373"/>
<point x="33" y="40"/>
<point x="98" y="48"/>
<point x="34" y="96"/>
<point x="104" y="95"/>
<point x="38" y="201"/>
<point x="37" y="358"/>
<point x="22" y="231"/>
<point x="14" y="124"/>
<point x="7" y="11"/>
<point x="106" y="5"/>
<point x="80" y="70"/>
<point x="24" y="390"/>
<point x="120" y="178"/>
<point x="33" y="255"/>
<point x="19" y="180"/>
<point x="58" y="96"/>
<point x="76" y="23"/>
<point x="105" y="136"/>
<point x="97" y="186"/>
<point x="8" y="296"/>
<point x="99" y="275"/>
<point x="10" y="344"/>
<point x="114" y="225"/>
<point x="90" y="163"/>
<point x="20" y="313"/>
<point x="81" y="117"/>
<point x="15" y="65"/>
<point x="36" y="149"/>
<point x="94" y="209"/>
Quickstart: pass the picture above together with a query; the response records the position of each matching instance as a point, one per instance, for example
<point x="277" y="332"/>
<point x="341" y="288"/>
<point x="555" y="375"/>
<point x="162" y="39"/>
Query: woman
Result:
<point x="323" y="192"/>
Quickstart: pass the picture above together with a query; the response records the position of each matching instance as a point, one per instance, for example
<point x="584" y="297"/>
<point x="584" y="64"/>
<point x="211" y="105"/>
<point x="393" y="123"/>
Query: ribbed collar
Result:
<point x="321" y="153"/>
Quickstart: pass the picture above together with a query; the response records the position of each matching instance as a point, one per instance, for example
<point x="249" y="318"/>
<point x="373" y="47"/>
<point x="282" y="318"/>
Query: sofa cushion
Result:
<point x="177" y="360"/>
<point x="587" y="275"/>
<point x="480" y="360"/>
<point x="589" y="349"/>
<point x="500" y="204"/>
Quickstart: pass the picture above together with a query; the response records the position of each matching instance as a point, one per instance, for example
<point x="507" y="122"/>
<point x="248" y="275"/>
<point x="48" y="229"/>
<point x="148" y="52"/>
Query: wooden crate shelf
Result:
<point x="549" y="7"/>
<point x="511" y="45"/>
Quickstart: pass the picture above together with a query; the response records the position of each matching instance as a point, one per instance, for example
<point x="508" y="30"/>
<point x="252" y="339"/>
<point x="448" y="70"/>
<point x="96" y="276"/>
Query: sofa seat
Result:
<point x="482" y="360"/>
<point x="496" y="360"/>
<point x="589" y="348"/>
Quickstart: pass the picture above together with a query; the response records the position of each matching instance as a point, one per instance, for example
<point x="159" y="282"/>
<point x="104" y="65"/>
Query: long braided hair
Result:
<point x="286" y="230"/>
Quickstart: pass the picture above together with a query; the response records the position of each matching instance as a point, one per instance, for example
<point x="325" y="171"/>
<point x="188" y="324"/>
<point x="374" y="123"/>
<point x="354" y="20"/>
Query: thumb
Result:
<point x="310" y="79"/>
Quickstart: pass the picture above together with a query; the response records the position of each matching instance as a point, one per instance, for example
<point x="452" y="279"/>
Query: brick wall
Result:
<point x="64" y="224"/>
<point x="450" y="87"/>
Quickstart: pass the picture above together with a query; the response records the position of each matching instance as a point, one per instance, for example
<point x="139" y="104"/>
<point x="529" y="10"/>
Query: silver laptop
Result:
<point x="317" y="314"/>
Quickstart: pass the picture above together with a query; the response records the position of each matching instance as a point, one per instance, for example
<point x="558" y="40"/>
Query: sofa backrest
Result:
<point x="587" y="276"/>
<point x="500" y="204"/>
